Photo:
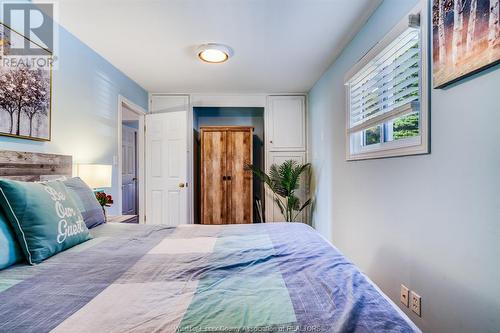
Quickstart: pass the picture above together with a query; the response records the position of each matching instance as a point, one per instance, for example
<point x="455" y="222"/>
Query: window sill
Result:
<point x="406" y="147"/>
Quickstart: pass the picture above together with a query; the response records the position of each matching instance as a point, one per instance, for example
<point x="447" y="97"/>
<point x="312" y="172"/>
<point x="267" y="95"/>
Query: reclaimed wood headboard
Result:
<point x="34" y="167"/>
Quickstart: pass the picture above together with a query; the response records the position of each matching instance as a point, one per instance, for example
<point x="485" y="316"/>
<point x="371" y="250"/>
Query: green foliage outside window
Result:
<point x="372" y="136"/>
<point x="406" y="127"/>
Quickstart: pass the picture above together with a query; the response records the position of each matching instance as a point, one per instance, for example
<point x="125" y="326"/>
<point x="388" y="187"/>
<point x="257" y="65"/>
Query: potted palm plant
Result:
<point x="283" y="180"/>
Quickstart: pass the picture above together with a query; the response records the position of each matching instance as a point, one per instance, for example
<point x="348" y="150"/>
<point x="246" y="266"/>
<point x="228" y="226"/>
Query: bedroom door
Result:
<point x="129" y="170"/>
<point x="166" y="168"/>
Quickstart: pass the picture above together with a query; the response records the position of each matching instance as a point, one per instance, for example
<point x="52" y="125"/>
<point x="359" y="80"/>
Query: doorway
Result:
<point x="230" y="116"/>
<point x="131" y="160"/>
<point x="130" y="193"/>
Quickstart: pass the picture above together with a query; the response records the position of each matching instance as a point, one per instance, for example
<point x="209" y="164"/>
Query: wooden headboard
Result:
<point x="33" y="167"/>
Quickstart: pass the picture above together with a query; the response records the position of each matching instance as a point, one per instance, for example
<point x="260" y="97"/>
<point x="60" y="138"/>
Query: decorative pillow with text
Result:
<point x="44" y="217"/>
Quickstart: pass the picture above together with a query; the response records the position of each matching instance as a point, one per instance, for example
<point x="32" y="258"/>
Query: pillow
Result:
<point x="89" y="207"/>
<point x="44" y="217"/>
<point x="10" y="252"/>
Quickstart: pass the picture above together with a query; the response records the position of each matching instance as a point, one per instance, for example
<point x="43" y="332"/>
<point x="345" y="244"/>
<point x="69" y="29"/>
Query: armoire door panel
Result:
<point x="239" y="193"/>
<point x="213" y="169"/>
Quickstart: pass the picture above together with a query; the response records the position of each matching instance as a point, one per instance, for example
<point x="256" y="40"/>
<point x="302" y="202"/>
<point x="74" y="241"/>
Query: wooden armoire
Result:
<point x="226" y="187"/>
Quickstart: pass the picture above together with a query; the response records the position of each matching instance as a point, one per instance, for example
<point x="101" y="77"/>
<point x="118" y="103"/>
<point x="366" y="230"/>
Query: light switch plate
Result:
<point x="416" y="303"/>
<point x="405" y="295"/>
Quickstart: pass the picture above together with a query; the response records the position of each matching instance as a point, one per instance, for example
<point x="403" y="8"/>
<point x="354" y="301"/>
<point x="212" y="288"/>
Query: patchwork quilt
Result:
<point x="275" y="277"/>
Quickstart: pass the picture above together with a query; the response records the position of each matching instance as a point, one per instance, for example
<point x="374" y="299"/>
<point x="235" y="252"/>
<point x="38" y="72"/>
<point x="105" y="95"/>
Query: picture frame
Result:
<point x="466" y="38"/>
<point x="25" y="88"/>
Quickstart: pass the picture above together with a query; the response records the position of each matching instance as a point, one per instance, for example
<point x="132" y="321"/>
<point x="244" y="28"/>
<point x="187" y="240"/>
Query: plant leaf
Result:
<point x="293" y="202"/>
<point x="262" y="176"/>
<point x="280" y="205"/>
<point x="283" y="180"/>
<point x="277" y="178"/>
<point x="297" y="172"/>
<point x="304" y="205"/>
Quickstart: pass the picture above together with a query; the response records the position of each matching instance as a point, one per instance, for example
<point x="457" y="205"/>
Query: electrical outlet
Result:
<point x="404" y="295"/>
<point x="416" y="302"/>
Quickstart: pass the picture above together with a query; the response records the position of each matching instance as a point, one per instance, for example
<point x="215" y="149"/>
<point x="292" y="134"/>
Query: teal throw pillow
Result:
<point x="10" y="252"/>
<point x="44" y="217"/>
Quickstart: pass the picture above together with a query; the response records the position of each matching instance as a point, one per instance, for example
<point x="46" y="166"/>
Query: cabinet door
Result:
<point x="240" y="181"/>
<point x="286" y="123"/>
<point x="213" y="169"/>
<point x="273" y="213"/>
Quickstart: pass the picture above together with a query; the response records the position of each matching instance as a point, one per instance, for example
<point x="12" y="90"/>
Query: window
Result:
<point x="387" y="95"/>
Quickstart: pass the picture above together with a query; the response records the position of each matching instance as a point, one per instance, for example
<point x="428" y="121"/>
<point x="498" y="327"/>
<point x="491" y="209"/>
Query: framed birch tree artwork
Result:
<point x="466" y="38"/>
<point x="25" y="88"/>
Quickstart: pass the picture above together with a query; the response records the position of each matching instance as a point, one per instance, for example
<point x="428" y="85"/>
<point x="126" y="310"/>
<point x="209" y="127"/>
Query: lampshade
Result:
<point x="95" y="175"/>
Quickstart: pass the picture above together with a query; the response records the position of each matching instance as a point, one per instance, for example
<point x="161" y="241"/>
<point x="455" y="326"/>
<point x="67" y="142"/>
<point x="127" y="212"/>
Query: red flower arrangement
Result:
<point x="105" y="200"/>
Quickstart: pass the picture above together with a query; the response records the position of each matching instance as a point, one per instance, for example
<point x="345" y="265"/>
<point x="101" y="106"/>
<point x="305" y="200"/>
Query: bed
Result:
<point x="273" y="277"/>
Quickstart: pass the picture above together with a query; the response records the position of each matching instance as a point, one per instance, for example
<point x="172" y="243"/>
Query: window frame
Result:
<point x="416" y="145"/>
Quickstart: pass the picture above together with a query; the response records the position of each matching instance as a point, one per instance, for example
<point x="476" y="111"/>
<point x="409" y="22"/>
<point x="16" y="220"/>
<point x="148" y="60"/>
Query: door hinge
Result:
<point x="144" y="128"/>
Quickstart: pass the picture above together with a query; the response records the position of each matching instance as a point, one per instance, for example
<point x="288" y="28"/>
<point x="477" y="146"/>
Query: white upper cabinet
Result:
<point x="286" y="123"/>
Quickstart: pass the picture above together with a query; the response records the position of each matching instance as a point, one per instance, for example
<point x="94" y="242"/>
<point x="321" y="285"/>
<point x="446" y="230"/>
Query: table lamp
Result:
<point x="96" y="176"/>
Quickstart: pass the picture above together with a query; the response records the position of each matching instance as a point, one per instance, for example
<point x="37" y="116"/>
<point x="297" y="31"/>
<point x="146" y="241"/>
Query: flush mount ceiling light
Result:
<point x="214" y="53"/>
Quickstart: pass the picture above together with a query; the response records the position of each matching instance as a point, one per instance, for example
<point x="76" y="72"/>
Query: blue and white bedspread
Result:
<point x="279" y="277"/>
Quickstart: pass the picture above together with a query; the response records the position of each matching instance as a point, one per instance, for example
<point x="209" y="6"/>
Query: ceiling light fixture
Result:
<point x="214" y="53"/>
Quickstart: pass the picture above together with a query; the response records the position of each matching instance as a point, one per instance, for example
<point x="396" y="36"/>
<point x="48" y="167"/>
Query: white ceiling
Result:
<point x="279" y="45"/>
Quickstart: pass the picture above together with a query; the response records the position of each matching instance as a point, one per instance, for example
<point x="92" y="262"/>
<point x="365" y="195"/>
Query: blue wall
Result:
<point x="228" y="116"/>
<point x="431" y="222"/>
<point x="85" y="91"/>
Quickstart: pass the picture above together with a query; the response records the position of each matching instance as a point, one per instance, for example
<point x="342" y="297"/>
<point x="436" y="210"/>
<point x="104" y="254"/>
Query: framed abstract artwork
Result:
<point x="466" y="38"/>
<point x="25" y="88"/>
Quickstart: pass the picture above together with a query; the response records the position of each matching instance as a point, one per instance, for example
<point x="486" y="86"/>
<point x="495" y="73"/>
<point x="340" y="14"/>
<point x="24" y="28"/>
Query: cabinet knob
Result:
<point x="181" y="185"/>
<point x="271" y="141"/>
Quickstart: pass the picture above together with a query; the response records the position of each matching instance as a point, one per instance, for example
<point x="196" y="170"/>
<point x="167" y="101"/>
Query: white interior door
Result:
<point x="166" y="168"/>
<point x="129" y="170"/>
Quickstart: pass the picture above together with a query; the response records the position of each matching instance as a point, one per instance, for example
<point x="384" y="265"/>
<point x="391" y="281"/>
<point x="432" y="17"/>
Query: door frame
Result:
<point x="225" y="100"/>
<point x="219" y="100"/>
<point x="141" y="112"/>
